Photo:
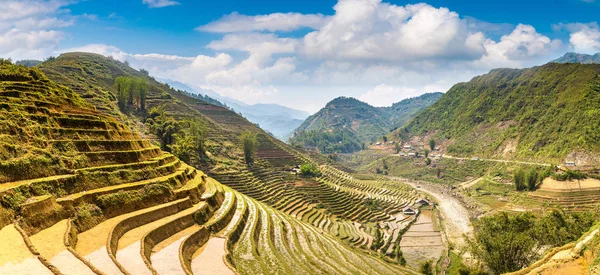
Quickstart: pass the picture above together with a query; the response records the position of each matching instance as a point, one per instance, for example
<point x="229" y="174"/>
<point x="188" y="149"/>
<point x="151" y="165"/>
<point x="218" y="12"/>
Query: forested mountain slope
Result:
<point x="545" y="113"/>
<point x="346" y="123"/>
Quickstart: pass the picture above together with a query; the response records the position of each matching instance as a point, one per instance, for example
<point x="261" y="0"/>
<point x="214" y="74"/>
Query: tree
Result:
<point x="426" y="153"/>
<point x="428" y="161"/>
<point x="504" y="242"/>
<point x="426" y="268"/>
<point x="189" y="142"/>
<point x="532" y="179"/>
<point x="384" y="138"/>
<point x="397" y="147"/>
<point x="432" y="144"/>
<point x="163" y="126"/>
<point x="310" y="170"/>
<point x="144" y="71"/>
<point x="248" y="139"/>
<point x="519" y="178"/>
<point x="131" y="93"/>
<point x="508" y="242"/>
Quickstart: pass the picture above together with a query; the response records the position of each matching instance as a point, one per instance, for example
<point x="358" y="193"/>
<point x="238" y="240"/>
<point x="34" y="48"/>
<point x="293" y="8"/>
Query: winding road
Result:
<point x="456" y="216"/>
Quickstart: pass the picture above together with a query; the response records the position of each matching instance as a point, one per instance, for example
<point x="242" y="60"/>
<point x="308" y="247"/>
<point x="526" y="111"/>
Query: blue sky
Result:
<point x="304" y="53"/>
<point x="134" y="27"/>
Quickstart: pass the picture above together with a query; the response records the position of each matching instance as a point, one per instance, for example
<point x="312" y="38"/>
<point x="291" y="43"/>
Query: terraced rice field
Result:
<point x="337" y="203"/>
<point x="576" y="196"/>
<point x="422" y="241"/>
<point x="114" y="203"/>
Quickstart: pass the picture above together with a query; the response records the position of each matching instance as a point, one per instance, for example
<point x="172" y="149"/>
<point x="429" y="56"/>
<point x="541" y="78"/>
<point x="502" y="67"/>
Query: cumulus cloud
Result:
<point x="31" y="28"/>
<point x="236" y="22"/>
<point x="522" y="44"/>
<point x="372" y="30"/>
<point x="376" y="51"/>
<point x="386" y="95"/>
<point x="584" y="38"/>
<point x="159" y="3"/>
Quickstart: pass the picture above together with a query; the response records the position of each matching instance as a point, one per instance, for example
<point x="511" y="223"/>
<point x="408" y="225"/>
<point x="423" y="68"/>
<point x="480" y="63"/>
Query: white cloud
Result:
<point x="31" y="28"/>
<point x="160" y="3"/>
<point x="372" y="30"/>
<point x="523" y="44"/>
<point x="376" y="51"/>
<point x="236" y="22"/>
<point x="584" y="38"/>
<point x="386" y="95"/>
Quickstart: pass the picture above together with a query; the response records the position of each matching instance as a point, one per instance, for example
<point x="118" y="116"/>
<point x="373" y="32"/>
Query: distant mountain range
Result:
<point x="346" y="123"/>
<point x="278" y="120"/>
<point x="579" y="58"/>
<point x="548" y="113"/>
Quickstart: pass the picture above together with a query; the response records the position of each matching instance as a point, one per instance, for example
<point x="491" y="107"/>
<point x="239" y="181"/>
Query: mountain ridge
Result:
<point x="572" y="57"/>
<point x="545" y="113"/>
<point x="274" y="118"/>
<point x="345" y="124"/>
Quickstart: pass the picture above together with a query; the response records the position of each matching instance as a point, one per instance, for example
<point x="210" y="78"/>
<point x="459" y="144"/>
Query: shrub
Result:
<point x="426" y="268"/>
<point x="310" y="170"/>
<point x="507" y="243"/>
<point x="519" y="178"/>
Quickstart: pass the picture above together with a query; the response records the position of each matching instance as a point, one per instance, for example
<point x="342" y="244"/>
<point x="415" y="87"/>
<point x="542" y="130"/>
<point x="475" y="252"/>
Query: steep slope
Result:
<point x="401" y="112"/>
<point x="345" y="123"/>
<point x="362" y="214"/>
<point x="578" y="58"/>
<point x="81" y="193"/>
<point x="279" y="120"/>
<point x="545" y="113"/>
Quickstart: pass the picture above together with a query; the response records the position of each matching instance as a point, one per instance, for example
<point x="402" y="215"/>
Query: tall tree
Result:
<point x="432" y="144"/>
<point x="248" y="139"/>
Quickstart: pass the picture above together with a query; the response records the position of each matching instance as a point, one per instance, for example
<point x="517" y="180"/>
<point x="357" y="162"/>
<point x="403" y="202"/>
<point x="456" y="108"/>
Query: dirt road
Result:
<point x="498" y="160"/>
<point x="456" y="216"/>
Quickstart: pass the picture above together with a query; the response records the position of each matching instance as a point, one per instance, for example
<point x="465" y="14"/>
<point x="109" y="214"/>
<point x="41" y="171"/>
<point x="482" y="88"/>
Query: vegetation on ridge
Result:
<point x="345" y="124"/>
<point x="542" y="113"/>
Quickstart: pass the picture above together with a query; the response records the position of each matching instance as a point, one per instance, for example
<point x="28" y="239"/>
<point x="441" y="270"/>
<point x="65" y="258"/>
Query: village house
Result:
<point x="569" y="163"/>
<point x="407" y="146"/>
<point x="412" y="155"/>
<point x="408" y="211"/>
<point x="423" y="202"/>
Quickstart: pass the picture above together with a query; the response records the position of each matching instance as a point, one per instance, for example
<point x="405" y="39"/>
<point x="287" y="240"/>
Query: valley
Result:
<point x="105" y="169"/>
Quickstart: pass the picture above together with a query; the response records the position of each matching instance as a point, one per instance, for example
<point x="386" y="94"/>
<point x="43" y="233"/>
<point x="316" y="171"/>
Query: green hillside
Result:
<point x="345" y="123"/>
<point x="543" y="113"/>
<point x="81" y="193"/>
<point x="360" y="215"/>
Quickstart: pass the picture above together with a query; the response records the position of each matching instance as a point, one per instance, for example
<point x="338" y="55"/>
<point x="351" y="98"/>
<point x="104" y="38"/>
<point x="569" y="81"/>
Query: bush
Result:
<point x="310" y="170"/>
<point x="569" y="175"/>
<point x="426" y="268"/>
<point x="519" y="178"/>
<point x="507" y="243"/>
